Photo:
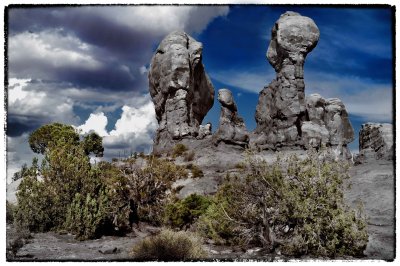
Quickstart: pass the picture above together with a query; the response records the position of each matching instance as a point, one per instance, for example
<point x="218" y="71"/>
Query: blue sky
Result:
<point x="87" y="66"/>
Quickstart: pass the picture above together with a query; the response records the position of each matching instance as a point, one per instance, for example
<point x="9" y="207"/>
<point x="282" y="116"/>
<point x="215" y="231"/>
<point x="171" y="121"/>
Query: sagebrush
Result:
<point x="170" y="246"/>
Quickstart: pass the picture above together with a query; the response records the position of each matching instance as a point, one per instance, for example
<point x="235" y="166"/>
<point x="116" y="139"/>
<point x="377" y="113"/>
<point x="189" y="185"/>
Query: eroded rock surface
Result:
<point x="329" y="125"/>
<point x="281" y="106"/>
<point x="376" y="141"/>
<point x="180" y="88"/>
<point x="232" y="129"/>
<point x="284" y="116"/>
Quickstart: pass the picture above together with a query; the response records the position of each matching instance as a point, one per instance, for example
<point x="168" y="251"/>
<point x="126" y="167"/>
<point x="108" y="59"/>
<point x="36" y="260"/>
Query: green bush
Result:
<point x="296" y="206"/>
<point x="86" y="215"/>
<point x="34" y="210"/>
<point x="184" y="212"/>
<point x="10" y="209"/>
<point x="170" y="246"/>
<point x="179" y="149"/>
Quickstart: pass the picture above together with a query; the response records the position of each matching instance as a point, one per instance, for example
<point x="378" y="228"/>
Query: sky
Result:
<point x="87" y="66"/>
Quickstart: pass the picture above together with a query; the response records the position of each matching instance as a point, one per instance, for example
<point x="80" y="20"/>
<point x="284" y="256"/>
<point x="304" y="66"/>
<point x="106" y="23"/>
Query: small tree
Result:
<point x="296" y="206"/>
<point x="46" y="192"/>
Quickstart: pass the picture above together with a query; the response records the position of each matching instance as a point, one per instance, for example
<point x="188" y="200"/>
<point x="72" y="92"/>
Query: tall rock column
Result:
<point x="281" y="106"/>
<point x="180" y="88"/>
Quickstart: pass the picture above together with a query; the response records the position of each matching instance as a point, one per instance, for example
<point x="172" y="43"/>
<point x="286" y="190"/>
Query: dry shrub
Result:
<point x="170" y="246"/>
<point x="179" y="149"/>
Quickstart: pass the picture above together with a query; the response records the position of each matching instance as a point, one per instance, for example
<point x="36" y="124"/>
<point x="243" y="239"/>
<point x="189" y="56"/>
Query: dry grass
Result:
<point x="170" y="246"/>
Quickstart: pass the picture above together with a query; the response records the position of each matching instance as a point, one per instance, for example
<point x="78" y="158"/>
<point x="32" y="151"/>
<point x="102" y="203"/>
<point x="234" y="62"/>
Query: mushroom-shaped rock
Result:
<point x="281" y="105"/>
<point x="232" y="129"/>
<point x="180" y="88"/>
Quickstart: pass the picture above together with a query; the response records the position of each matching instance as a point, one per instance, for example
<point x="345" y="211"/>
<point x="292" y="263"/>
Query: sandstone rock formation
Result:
<point x="281" y="105"/>
<point x="328" y="124"/>
<point x="181" y="90"/>
<point x="376" y="140"/>
<point x="284" y="116"/>
<point x="232" y="129"/>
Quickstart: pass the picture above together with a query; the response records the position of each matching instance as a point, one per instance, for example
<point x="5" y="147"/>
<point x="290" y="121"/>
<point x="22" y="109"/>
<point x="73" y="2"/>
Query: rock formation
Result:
<point x="284" y="116"/>
<point x="232" y="129"/>
<point x="181" y="90"/>
<point x="281" y="105"/>
<point x="328" y="124"/>
<point x="376" y="140"/>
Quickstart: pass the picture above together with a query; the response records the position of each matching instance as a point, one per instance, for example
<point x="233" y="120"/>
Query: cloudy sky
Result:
<point x="87" y="66"/>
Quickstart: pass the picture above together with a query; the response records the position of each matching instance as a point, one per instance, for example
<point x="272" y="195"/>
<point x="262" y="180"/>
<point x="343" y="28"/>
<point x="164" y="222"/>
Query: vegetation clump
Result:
<point x="291" y="205"/>
<point x="170" y="246"/>
<point x="150" y="187"/>
<point x="10" y="209"/>
<point x="195" y="169"/>
<point x="179" y="149"/>
<point x="66" y="192"/>
<point x="183" y="213"/>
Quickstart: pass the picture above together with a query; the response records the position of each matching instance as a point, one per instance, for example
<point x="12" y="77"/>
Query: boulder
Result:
<point x="180" y="89"/>
<point x="281" y="106"/>
<point x="376" y="140"/>
<point x="204" y="131"/>
<point x="232" y="129"/>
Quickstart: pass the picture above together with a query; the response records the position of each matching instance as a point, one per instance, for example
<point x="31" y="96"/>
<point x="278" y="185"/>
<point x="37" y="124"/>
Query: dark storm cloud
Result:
<point x="113" y="45"/>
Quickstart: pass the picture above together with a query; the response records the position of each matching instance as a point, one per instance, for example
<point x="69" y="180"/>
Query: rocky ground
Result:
<point x="371" y="182"/>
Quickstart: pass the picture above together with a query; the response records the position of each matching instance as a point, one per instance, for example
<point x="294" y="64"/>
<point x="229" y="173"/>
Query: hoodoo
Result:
<point x="284" y="116"/>
<point x="180" y="88"/>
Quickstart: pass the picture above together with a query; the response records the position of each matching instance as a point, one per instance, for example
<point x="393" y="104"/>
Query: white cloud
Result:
<point x="133" y="130"/>
<point x="26" y="104"/>
<point x="96" y="122"/>
<point x="34" y="53"/>
<point x="161" y="20"/>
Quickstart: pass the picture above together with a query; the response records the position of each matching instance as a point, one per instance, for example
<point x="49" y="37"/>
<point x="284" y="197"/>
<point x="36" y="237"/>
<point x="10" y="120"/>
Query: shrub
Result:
<point x="240" y="165"/>
<point x="10" y="209"/>
<point x="86" y="215"/>
<point x="34" y="210"/>
<point x="189" y="156"/>
<point x="150" y="187"/>
<point x="179" y="149"/>
<point x="184" y="212"/>
<point x="196" y="171"/>
<point x="296" y="206"/>
<point x="170" y="246"/>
